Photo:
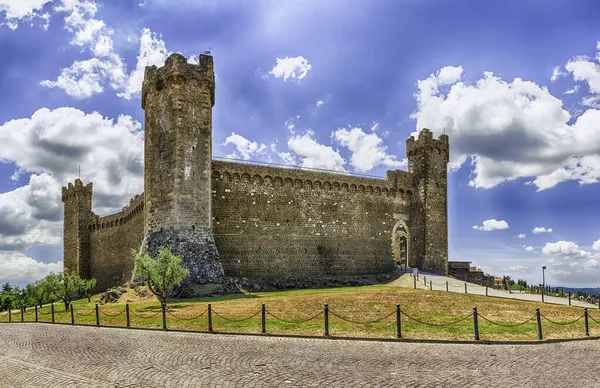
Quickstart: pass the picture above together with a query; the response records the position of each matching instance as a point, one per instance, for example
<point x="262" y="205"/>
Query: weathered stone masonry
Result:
<point x="254" y="221"/>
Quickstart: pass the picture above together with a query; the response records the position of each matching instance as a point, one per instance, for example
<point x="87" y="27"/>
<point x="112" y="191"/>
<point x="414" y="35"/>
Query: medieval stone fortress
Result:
<point x="255" y="221"/>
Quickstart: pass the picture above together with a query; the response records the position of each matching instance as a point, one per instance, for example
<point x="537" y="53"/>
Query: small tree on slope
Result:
<point x="161" y="273"/>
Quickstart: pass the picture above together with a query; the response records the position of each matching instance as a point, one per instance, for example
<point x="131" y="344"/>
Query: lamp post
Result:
<point x="543" y="282"/>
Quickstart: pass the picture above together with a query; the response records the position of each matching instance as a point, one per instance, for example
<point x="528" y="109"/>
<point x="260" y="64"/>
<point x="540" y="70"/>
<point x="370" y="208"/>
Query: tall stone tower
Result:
<point x="178" y="99"/>
<point x="77" y="201"/>
<point x="427" y="161"/>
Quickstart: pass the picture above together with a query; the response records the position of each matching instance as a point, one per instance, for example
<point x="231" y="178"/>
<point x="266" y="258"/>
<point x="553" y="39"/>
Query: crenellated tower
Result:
<point x="178" y="99"/>
<point x="427" y="161"/>
<point x="77" y="201"/>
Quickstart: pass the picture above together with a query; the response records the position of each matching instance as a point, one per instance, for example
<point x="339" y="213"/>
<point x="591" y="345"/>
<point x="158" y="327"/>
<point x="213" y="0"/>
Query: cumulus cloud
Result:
<point x="245" y="149"/>
<point x="368" y="150"/>
<point x="319" y="103"/>
<point x="560" y="248"/>
<point x="528" y="248"/>
<point x="493" y="224"/>
<point x="596" y="245"/>
<point x="541" y="229"/>
<point x="294" y="68"/>
<point x="17" y="268"/>
<point x="510" y="130"/>
<point x="518" y="268"/>
<point x="313" y="154"/>
<point x="556" y="73"/>
<point x="520" y="235"/>
<point x="18" y="11"/>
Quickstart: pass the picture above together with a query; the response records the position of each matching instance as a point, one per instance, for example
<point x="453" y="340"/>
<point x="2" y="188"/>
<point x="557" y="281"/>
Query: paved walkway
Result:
<point x="35" y="355"/>
<point x="438" y="283"/>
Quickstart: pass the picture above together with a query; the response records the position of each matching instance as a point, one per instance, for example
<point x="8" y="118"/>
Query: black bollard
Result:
<point x="264" y="319"/>
<point x="127" y="315"/>
<point x="52" y="305"/>
<point x="475" y="324"/>
<point x="486" y="290"/>
<point x="36" y="314"/>
<point x="72" y="315"/>
<point x="446" y="286"/>
<point x="398" y="322"/>
<point x="465" y="287"/>
<point x="539" y="323"/>
<point x="415" y="282"/>
<point x="585" y="322"/>
<point x="164" y="315"/>
<point x="326" y="319"/>
<point x="430" y="286"/>
<point x="97" y="316"/>
<point x="569" y="298"/>
<point x="210" y="328"/>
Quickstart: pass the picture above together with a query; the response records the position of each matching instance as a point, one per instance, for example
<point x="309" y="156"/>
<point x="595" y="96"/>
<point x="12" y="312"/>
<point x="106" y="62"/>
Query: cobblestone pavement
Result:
<point x="35" y="355"/>
<point x="438" y="283"/>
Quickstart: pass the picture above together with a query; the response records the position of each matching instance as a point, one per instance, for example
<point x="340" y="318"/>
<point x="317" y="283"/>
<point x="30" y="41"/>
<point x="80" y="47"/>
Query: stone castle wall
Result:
<point x="278" y="223"/>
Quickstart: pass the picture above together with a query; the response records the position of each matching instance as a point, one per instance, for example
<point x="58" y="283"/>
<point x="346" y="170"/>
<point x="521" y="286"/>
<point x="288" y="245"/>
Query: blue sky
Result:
<point x="336" y="85"/>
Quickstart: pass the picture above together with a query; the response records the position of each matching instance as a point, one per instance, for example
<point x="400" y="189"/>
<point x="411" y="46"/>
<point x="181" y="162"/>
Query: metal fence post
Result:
<point x="569" y="298"/>
<point x="425" y="280"/>
<point x="475" y="324"/>
<point x="9" y="315"/>
<point x="446" y="286"/>
<point x="486" y="290"/>
<point x="210" y="328"/>
<point x="326" y="319"/>
<point x="430" y="286"/>
<point x="465" y="287"/>
<point x="72" y="316"/>
<point x="539" y="323"/>
<point x="97" y="316"/>
<point x="415" y="282"/>
<point x="164" y="315"/>
<point x="127" y="315"/>
<point x="52" y="305"/>
<point x="263" y="313"/>
<point x="585" y="322"/>
<point x="36" y="313"/>
<point x="398" y="323"/>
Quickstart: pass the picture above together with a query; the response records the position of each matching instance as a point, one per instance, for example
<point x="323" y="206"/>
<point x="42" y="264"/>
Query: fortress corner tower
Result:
<point x="178" y="99"/>
<point x="427" y="161"/>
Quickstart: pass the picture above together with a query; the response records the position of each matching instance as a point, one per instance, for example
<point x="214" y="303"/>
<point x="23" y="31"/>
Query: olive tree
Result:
<point x="161" y="273"/>
<point x="87" y="285"/>
<point x="65" y="285"/>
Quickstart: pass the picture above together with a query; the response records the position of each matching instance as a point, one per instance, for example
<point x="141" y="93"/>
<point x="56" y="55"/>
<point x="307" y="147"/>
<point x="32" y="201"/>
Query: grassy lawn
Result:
<point x="361" y="304"/>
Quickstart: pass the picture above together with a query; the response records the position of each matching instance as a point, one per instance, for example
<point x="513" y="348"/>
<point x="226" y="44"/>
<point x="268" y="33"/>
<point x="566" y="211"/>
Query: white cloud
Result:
<point x="583" y="69"/>
<point x="245" y="149"/>
<point x="368" y="150"/>
<point x="529" y="248"/>
<point x="557" y="72"/>
<point x="18" y="11"/>
<point x="315" y="155"/>
<point x="319" y="103"/>
<point x="518" y="268"/>
<point x="561" y="248"/>
<point x="520" y="235"/>
<point x="493" y="224"/>
<point x="596" y="245"/>
<point x="541" y="229"/>
<point x="510" y="130"/>
<point x="561" y="272"/>
<point x="573" y="90"/>
<point x="17" y="268"/>
<point x="295" y="68"/>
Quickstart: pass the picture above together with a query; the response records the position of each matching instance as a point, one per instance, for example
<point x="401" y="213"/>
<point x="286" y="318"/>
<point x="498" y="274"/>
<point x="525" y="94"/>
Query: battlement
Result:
<point x="77" y="189"/>
<point x="176" y="72"/>
<point x="426" y="142"/>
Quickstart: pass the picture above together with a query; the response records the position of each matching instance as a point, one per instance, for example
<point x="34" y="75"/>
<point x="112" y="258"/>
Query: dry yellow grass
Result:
<point x="354" y="303"/>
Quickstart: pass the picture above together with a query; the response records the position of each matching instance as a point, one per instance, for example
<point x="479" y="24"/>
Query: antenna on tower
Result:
<point x="207" y="52"/>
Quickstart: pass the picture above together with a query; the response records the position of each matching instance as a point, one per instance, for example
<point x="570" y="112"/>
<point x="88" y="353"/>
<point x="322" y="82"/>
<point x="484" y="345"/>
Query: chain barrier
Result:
<point x="61" y="313"/>
<point x="41" y="313"/>
<point x="438" y="324"/>
<point x="187" y="319"/>
<point x="365" y="322"/>
<point x="142" y="316"/>
<point x="293" y="322"/>
<point x="112" y="315"/>
<point x="236" y="320"/>
<point x="562" y="323"/>
<point x="84" y="315"/>
<point x="505" y="324"/>
<point x="592" y="318"/>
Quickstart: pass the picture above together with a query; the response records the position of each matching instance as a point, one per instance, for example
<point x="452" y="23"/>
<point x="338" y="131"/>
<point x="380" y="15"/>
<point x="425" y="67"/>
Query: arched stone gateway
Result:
<point x="400" y="243"/>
